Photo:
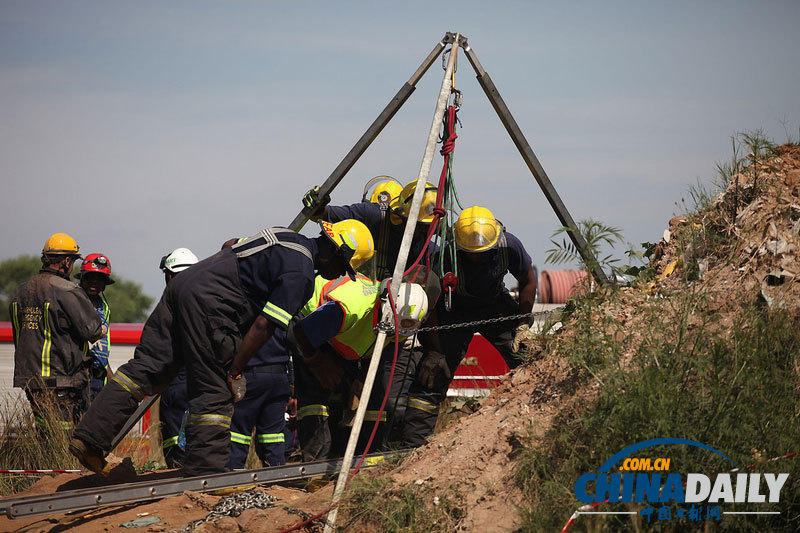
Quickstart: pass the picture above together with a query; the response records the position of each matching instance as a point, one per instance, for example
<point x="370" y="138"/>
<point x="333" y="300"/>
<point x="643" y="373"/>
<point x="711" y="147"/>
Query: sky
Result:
<point x="140" y="127"/>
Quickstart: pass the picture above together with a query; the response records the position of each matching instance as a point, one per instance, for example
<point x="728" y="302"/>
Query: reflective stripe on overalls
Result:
<point x="129" y="385"/>
<point x="241" y="438"/>
<point x="422" y="405"/>
<point x="209" y="420"/>
<point x="271" y="438"/>
<point x="312" y="410"/>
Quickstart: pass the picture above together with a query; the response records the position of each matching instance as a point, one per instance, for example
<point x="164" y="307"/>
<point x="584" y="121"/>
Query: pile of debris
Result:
<point x="747" y="238"/>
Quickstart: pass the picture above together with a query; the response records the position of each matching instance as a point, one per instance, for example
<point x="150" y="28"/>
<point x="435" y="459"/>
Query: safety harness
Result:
<point x="266" y="238"/>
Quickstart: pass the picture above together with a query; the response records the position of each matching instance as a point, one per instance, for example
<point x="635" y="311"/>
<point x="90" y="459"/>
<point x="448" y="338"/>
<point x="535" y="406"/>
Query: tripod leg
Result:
<point x="534" y="166"/>
<point x="371" y="134"/>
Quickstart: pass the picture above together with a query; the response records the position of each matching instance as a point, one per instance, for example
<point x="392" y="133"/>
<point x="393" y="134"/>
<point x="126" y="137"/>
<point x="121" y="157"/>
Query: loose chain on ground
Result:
<point x="233" y="505"/>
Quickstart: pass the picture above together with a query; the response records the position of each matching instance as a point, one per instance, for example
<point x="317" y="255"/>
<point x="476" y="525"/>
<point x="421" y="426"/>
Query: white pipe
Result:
<point x="397" y="278"/>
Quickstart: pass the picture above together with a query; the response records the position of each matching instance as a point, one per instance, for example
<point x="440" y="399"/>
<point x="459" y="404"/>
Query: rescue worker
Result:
<point x="173" y="408"/>
<point x="385" y="215"/>
<point x="94" y="277"/>
<point x="385" y="219"/>
<point x="486" y="253"/>
<point x="337" y="331"/>
<point x="51" y="320"/>
<point x="213" y="318"/>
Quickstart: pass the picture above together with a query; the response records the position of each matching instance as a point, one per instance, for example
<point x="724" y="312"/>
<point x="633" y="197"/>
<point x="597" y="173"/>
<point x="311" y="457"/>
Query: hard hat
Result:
<point x="178" y="260"/>
<point x="353" y="241"/>
<point x="60" y="244"/>
<point x="401" y="205"/>
<point x="386" y="189"/>
<point x="477" y="230"/>
<point x="96" y="263"/>
<point x="412" y="308"/>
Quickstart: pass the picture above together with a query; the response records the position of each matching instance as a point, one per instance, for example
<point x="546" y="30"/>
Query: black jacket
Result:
<point x="51" y="318"/>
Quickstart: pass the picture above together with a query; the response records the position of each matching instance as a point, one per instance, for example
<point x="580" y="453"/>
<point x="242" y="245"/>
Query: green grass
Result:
<point x="24" y="445"/>
<point x="735" y="389"/>
<point x="376" y="503"/>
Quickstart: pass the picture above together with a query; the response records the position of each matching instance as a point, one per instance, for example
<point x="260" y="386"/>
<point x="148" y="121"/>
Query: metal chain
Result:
<point x="233" y="506"/>
<point x="486" y="321"/>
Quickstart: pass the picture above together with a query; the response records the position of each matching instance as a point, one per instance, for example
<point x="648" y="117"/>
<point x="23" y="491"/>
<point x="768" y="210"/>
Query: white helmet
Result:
<point x="412" y="308"/>
<point x="179" y="260"/>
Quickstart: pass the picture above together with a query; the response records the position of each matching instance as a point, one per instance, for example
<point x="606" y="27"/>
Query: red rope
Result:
<point x="448" y="145"/>
<point x="374" y="426"/>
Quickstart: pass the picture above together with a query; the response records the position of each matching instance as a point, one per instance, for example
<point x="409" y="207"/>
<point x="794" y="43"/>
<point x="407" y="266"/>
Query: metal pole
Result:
<point x="372" y="132"/>
<point x="96" y="497"/>
<point x="397" y="278"/>
<point x="534" y="166"/>
<point x="144" y="405"/>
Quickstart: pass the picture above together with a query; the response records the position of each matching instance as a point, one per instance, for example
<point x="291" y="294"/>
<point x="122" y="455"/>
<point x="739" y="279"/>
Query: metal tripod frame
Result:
<point x="513" y="129"/>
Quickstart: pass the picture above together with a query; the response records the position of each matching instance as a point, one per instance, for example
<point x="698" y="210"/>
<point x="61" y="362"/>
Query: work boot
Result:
<point x="89" y="457"/>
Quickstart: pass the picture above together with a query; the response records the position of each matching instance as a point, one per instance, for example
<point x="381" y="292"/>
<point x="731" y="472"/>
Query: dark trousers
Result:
<point x="198" y="322"/>
<point x="401" y="381"/>
<point x="322" y="416"/>
<point x="174" y="405"/>
<point x="423" y="403"/>
<point x="263" y="408"/>
<point x="61" y="408"/>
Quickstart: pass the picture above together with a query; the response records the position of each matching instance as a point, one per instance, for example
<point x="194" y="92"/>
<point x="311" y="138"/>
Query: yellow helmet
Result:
<point x="386" y="189"/>
<point x="353" y="241"/>
<point x="402" y="204"/>
<point x="60" y="244"/>
<point x="477" y="230"/>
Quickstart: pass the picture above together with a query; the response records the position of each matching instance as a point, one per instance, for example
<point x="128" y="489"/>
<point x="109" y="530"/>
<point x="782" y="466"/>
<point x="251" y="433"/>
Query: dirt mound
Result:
<point x="747" y="240"/>
<point x="742" y="245"/>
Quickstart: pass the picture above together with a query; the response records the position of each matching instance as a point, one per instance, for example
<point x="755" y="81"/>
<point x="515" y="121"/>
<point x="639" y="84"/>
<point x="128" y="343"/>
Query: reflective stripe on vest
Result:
<point x="359" y="301"/>
<point x="170" y="442"/>
<point x="48" y="341"/>
<point x="15" y="320"/>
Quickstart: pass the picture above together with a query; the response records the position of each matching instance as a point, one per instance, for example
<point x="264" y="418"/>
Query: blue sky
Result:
<point x="139" y="127"/>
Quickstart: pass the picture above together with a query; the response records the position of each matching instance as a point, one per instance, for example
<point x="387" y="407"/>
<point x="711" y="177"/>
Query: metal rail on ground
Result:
<point x="97" y="497"/>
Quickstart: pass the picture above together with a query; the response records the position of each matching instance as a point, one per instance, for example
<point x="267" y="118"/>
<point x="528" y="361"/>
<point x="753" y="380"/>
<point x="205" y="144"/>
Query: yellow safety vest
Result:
<point x="359" y="300"/>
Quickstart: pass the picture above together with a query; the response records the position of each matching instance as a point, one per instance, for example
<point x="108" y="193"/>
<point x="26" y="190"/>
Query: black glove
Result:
<point x="431" y="365"/>
<point x="312" y="201"/>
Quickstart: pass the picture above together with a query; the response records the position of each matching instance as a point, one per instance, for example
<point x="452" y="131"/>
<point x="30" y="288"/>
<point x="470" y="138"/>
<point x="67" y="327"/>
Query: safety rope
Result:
<point x="495" y="320"/>
<point x="442" y="209"/>
<point x="374" y="426"/>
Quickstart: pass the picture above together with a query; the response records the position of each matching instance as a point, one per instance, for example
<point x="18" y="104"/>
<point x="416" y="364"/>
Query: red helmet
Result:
<point x="97" y="263"/>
